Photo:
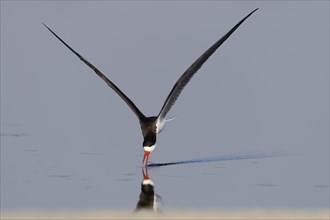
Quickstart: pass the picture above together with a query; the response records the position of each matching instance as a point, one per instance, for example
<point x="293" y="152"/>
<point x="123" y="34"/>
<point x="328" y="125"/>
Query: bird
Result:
<point x="152" y="126"/>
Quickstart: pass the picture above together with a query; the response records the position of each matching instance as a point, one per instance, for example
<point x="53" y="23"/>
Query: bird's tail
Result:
<point x="169" y="119"/>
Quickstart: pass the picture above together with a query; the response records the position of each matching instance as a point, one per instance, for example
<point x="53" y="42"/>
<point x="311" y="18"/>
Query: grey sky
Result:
<point x="265" y="89"/>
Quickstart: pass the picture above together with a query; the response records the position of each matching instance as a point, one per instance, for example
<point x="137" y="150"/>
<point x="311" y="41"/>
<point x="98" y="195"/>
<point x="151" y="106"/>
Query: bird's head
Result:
<point x="148" y="146"/>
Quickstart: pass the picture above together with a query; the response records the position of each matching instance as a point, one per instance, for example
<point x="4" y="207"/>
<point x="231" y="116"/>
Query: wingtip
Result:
<point x="45" y="25"/>
<point x="250" y="13"/>
<point x="254" y="10"/>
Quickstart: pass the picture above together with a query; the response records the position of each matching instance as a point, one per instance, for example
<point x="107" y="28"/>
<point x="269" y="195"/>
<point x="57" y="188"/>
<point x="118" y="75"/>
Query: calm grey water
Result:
<point x="56" y="176"/>
<point x="251" y="128"/>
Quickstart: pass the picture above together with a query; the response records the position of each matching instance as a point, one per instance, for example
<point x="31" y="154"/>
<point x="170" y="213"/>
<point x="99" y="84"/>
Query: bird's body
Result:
<point x="151" y="126"/>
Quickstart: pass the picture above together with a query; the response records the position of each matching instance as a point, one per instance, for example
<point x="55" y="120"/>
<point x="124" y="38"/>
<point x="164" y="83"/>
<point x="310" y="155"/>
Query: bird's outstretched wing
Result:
<point x="137" y="112"/>
<point x="188" y="74"/>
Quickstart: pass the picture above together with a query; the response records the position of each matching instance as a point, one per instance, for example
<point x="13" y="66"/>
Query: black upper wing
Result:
<point x="137" y="112"/>
<point x="188" y="74"/>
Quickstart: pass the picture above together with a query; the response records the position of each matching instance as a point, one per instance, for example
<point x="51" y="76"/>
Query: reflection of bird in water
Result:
<point x="151" y="126"/>
<point x="148" y="200"/>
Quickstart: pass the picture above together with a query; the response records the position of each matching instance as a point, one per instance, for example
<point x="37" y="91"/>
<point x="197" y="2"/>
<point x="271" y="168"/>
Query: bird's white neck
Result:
<point x="149" y="148"/>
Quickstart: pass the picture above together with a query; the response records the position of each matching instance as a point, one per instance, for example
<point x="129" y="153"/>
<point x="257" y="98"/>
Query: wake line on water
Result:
<point x="223" y="158"/>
